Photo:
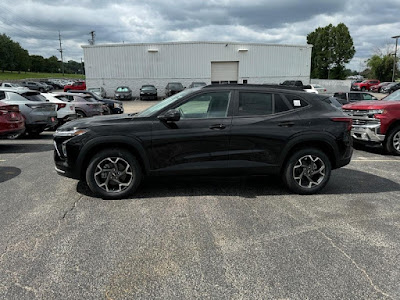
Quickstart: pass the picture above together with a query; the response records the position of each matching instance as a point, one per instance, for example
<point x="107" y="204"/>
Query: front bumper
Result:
<point x="367" y="133"/>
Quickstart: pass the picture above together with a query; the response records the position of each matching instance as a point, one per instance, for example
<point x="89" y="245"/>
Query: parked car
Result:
<point x="99" y="91"/>
<point x="49" y="86"/>
<point x="298" y="84"/>
<point x="113" y="106"/>
<point x="36" y="86"/>
<point x="65" y="110"/>
<point x="85" y="105"/>
<point x="347" y="97"/>
<point x="123" y="93"/>
<point x="219" y="129"/>
<point x="378" y="88"/>
<point x="292" y="83"/>
<point x="9" y="85"/>
<point x="377" y="122"/>
<point x="364" y="85"/>
<point x="320" y="89"/>
<point x="12" y="122"/>
<point x="38" y="114"/>
<point x="197" y="84"/>
<point x="148" y="92"/>
<point x="79" y="85"/>
<point x="173" y="88"/>
<point x="390" y="88"/>
<point x="353" y="84"/>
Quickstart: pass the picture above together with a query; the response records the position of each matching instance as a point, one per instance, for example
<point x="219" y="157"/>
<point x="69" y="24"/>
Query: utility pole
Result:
<point x="91" y="41"/>
<point x="395" y="58"/>
<point x="61" y="51"/>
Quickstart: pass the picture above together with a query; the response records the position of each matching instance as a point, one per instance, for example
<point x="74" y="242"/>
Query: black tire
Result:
<point x="306" y="164"/>
<point x="363" y="89"/>
<point x="114" y="161"/>
<point x="41" y="90"/>
<point x="80" y="114"/>
<point x="392" y="141"/>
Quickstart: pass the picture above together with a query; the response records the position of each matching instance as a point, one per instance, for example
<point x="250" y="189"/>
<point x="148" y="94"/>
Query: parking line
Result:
<point x="2" y="160"/>
<point x="378" y="160"/>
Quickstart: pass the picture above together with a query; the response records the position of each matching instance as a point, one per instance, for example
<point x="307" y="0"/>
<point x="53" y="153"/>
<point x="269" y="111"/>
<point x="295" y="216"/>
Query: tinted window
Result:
<point x="340" y="96"/>
<point x="2" y="95"/>
<point x="255" y="104"/>
<point x="209" y="105"/>
<point x="280" y="104"/>
<point x="34" y="97"/>
<point x="296" y="101"/>
<point x="355" y="97"/>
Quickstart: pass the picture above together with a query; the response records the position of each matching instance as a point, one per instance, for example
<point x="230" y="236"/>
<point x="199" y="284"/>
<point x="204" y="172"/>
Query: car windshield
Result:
<point x="395" y="96"/>
<point x="148" y="88"/>
<point x="122" y="89"/>
<point x="161" y="105"/>
<point x="176" y="85"/>
<point x="34" y="97"/>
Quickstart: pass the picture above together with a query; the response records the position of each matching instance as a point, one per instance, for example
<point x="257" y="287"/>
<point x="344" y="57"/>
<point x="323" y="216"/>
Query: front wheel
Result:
<point x="363" y="89"/>
<point x="307" y="171"/>
<point x="392" y="141"/>
<point x="113" y="174"/>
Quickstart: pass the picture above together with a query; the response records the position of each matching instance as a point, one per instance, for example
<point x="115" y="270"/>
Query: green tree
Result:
<point x="332" y="48"/>
<point x="381" y="67"/>
<point x="6" y="52"/>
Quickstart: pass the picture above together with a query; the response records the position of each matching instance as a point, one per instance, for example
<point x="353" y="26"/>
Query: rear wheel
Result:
<point x="113" y="174"/>
<point x="307" y="171"/>
<point x="392" y="141"/>
<point x="80" y="114"/>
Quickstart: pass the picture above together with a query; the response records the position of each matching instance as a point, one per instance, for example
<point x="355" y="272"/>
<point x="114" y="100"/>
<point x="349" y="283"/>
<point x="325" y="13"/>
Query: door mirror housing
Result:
<point x="171" y="115"/>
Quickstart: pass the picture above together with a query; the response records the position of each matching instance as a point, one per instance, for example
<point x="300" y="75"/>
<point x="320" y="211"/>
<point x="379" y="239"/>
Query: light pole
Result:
<point x="395" y="53"/>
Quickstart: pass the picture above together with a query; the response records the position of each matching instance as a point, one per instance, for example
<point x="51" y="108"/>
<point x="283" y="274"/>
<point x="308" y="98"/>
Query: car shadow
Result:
<point x="25" y="148"/>
<point x="251" y="187"/>
<point x="7" y="173"/>
<point x="376" y="149"/>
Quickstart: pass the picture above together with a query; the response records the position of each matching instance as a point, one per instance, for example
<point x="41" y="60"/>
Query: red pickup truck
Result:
<point x="364" y="85"/>
<point x="79" y="85"/>
<point x="377" y="122"/>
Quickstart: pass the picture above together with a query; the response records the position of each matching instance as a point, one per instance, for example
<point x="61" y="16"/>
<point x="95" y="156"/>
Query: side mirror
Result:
<point x="171" y="115"/>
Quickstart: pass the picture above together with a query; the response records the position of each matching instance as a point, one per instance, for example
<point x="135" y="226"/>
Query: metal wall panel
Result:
<point x="184" y="61"/>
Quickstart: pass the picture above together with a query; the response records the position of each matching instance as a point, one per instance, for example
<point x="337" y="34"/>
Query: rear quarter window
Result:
<point x="296" y="101"/>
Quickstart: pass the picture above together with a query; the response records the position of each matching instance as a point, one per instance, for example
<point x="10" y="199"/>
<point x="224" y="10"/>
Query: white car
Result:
<point x="316" y="89"/>
<point x="65" y="110"/>
<point x="9" y="85"/>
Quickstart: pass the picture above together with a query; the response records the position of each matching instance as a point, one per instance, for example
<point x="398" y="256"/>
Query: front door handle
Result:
<point x="286" y="124"/>
<point x="218" y="126"/>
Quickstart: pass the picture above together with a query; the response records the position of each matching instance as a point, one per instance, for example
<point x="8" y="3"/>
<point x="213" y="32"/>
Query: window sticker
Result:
<point x="296" y="103"/>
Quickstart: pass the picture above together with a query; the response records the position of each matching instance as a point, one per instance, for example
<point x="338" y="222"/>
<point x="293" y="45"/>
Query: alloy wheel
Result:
<point x="309" y="171"/>
<point x="396" y="141"/>
<point x="113" y="174"/>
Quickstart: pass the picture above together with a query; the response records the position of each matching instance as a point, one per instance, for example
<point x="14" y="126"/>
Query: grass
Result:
<point x="7" y="75"/>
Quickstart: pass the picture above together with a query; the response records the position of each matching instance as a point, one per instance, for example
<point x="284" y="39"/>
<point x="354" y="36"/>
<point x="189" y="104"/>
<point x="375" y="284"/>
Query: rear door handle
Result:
<point x="286" y="124"/>
<point x="218" y="126"/>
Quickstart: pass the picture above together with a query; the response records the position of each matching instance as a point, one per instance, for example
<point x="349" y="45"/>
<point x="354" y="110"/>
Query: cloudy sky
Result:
<point x="35" y="24"/>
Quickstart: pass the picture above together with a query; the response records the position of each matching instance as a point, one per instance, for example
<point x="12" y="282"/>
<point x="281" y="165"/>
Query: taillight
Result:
<point x="349" y="121"/>
<point x="61" y="105"/>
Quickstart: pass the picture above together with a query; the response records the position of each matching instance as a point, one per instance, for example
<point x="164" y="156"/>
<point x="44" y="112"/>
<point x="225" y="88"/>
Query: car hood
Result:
<point x="95" y="122"/>
<point x="364" y="105"/>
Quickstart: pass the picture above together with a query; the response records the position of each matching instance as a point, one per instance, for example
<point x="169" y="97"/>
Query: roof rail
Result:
<point x="274" y="86"/>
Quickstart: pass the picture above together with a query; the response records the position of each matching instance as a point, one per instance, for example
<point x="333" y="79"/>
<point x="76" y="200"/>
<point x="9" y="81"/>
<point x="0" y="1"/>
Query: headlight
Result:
<point x="376" y="111"/>
<point x="117" y="95"/>
<point x="71" y="133"/>
<point x="141" y="93"/>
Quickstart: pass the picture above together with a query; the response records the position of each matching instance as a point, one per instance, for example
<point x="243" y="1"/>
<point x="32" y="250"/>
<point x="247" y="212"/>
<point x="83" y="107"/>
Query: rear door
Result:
<point x="261" y="126"/>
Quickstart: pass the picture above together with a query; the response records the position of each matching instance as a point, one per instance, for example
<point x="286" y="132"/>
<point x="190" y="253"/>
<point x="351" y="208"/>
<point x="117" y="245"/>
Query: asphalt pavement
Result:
<point x="197" y="237"/>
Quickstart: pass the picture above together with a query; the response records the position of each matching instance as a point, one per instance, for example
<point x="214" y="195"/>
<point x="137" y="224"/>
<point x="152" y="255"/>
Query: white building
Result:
<point x="113" y="65"/>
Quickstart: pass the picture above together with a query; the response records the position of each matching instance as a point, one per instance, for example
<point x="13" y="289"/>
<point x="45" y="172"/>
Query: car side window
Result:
<point x="367" y="97"/>
<point x="355" y="97"/>
<point x="280" y="104"/>
<point x="296" y="101"/>
<point x="204" y="106"/>
<point x="253" y="103"/>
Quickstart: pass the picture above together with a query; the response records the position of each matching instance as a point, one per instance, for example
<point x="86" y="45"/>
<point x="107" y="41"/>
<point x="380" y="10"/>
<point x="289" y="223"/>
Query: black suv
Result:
<point x="223" y="129"/>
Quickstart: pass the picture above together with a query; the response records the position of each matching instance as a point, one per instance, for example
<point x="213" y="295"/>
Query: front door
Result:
<point x="199" y="140"/>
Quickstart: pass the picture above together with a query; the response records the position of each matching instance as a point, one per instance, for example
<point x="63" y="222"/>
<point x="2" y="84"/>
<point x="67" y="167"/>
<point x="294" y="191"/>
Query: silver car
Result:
<point x="38" y="114"/>
<point x="85" y="105"/>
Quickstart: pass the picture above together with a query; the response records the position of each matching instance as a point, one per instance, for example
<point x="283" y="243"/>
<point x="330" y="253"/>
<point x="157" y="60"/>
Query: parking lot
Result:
<point x="197" y="237"/>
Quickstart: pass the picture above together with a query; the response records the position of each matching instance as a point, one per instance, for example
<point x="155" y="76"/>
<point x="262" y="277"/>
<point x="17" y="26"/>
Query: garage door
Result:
<point x="224" y="72"/>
